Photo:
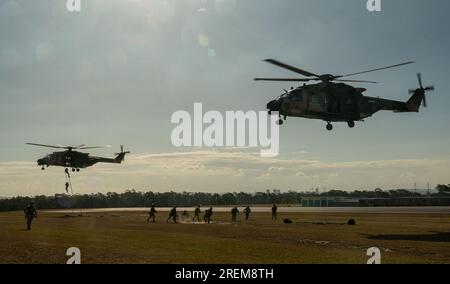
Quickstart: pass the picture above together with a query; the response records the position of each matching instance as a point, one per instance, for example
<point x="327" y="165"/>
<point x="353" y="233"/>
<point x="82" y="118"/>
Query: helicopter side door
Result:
<point x="318" y="102"/>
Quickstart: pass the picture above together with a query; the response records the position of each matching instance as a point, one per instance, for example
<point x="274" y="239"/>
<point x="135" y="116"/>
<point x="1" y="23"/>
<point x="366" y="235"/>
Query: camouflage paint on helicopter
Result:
<point x="336" y="102"/>
<point x="74" y="159"/>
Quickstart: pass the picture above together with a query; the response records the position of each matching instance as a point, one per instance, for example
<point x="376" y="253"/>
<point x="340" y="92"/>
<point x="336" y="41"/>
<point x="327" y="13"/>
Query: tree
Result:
<point x="443" y="189"/>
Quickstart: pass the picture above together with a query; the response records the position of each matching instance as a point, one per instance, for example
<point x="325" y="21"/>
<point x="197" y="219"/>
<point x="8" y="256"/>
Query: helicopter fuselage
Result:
<point x="76" y="160"/>
<point x="333" y="102"/>
<point x="69" y="159"/>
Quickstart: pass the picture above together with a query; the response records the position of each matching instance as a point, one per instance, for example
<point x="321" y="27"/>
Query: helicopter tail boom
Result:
<point x="415" y="102"/>
<point x="117" y="160"/>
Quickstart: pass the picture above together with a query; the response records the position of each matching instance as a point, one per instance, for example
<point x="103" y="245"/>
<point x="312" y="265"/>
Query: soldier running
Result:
<point x="274" y="212"/>
<point x="173" y="215"/>
<point x="247" y="212"/>
<point x="197" y="212"/>
<point x="234" y="213"/>
<point x="30" y="213"/>
<point x="152" y="213"/>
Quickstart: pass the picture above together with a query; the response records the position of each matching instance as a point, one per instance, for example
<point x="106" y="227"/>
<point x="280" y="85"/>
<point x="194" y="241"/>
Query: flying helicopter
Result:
<point x="74" y="159"/>
<point x="332" y="100"/>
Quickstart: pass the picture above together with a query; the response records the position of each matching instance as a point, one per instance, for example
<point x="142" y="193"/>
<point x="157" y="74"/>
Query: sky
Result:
<point x="116" y="71"/>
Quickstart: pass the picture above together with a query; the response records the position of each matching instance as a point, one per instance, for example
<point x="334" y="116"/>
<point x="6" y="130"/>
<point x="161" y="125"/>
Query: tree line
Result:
<point x="133" y="198"/>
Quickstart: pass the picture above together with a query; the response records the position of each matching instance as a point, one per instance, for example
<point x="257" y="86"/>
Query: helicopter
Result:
<point x="74" y="159"/>
<point x="332" y="100"/>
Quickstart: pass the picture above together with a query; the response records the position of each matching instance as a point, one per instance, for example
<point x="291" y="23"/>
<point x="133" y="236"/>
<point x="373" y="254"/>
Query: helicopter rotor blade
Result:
<point x="283" y="79"/>
<point x="48" y="146"/>
<point x="356" y="81"/>
<point x="82" y="146"/>
<point x="77" y="147"/>
<point x="377" y="69"/>
<point x="291" y="68"/>
<point x="419" y="77"/>
<point x="93" y="147"/>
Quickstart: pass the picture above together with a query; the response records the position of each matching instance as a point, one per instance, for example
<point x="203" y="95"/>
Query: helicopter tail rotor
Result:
<point x="121" y="156"/>
<point x="420" y="93"/>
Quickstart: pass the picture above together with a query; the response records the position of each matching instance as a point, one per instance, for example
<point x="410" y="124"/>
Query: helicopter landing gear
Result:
<point x="73" y="169"/>
<point x="43" y="168"/>
<point x="78" y="169"/>
<point x="280" y="120"/>
<point x="329" y="126"/>
<point x="351" y="123"/>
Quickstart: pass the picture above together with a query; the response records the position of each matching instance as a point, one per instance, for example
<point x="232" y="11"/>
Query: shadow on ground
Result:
<point x="432" y="237"/>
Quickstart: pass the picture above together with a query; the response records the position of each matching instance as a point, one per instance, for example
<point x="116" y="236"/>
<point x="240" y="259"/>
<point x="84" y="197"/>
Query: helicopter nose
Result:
<point x="273" y="105"/>
<point x="40" y="162"/>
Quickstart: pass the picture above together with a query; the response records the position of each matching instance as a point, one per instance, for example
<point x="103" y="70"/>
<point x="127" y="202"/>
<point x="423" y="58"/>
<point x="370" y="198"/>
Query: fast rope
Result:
<point x="69" y="184"/>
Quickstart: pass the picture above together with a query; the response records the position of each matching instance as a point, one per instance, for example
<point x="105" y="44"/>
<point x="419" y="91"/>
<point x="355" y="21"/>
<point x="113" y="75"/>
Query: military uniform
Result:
<point x="234" y="213"/>
<point x="247" y="212"/>
<point x="152" y="213"/>
<point x="173" y="215"/>
<point x="274" y="212"/>
<point x="197" y="212"/>
<point x="208" y="214"/>
<point x="30" y="214"/>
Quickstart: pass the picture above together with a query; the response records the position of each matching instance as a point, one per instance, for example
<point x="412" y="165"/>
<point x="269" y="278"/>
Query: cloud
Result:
<point x="222" y="170"/>
<point x="406" y="175"/>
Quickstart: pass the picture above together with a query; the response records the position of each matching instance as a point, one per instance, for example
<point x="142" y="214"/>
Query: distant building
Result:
<point x="404" y="201"/>
<point x="327" y="201"/>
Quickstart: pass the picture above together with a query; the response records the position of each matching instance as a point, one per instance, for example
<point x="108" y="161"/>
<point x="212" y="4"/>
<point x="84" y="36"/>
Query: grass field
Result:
<point x="126" y="237"/>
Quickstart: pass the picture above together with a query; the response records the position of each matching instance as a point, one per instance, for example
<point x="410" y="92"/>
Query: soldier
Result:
<point x="152" y="213"/>
<point x="247" y="212"/>
<point x="208" y="214"/>
<point x="197" y="212"/>
<point x="234" y="213"/>
<point x="173" y="215"/>
<point x="30" y="213"/>
<point x="274" y="212"/>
